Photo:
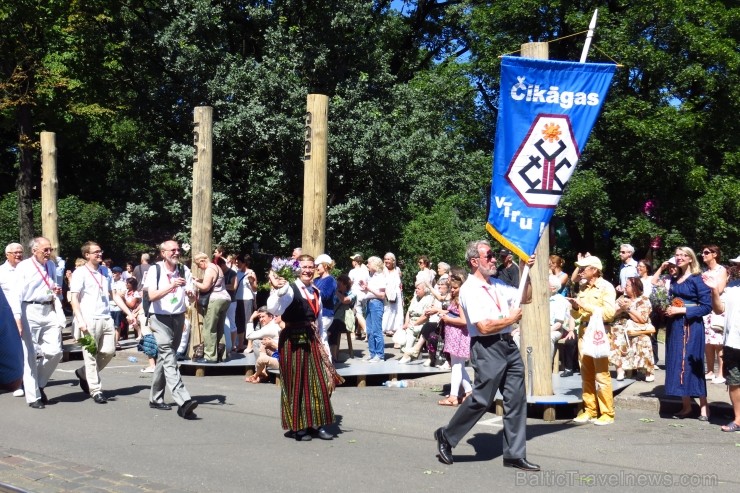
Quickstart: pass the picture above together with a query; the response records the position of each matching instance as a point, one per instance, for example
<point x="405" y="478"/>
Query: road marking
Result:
<point x="495" y="421"/>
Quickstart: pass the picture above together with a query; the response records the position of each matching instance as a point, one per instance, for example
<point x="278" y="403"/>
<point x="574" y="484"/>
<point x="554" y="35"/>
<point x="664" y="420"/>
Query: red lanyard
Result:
<point x="46" y="277"/>
<point x="313" y="302"/>
<point x="100" y="284"/>
<point x="496" y="300"/>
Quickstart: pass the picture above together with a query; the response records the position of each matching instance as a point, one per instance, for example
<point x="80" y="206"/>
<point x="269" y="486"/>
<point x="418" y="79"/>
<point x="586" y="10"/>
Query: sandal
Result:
<point x="449" y="401"/>
<point x="731" y="426"/>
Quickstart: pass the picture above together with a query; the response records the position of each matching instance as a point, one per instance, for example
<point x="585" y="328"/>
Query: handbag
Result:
<point x="205" y="297"/>
<point x="595" y="340"/>
<point x="148" y="345"/>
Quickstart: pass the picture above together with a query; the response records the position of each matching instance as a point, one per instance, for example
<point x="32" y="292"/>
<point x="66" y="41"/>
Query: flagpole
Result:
<point x="589" y="35"/>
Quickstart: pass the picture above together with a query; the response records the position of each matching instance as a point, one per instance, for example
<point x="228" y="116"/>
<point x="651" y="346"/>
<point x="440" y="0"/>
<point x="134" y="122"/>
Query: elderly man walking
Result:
<point x="169" y="285"/>
<point x="490" y="310"/>
<point x="38" y="314"/>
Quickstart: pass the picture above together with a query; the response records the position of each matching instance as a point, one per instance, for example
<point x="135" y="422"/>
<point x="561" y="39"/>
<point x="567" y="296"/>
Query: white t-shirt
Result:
<point x="481" y="301"/>
<point x="359" y="273"/>
<point x="176" y="301"/>
<point x="94" y="289"/>
<point x="120" y="288"/>
<point x="731" y="298"/>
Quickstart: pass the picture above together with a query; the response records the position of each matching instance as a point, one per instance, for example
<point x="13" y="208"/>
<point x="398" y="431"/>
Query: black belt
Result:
<point x="39" y="302"/>
<point x="170" y="315"/>
<point x="494" y="338"/>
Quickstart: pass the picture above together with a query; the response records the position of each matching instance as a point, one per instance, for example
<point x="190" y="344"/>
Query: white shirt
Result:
<point x="94" y="289"/>
<point x="481" y="301"/>
<point x="243" y="289"/>
<point x="7" y="278"/>
<point x="629" y="269"/>
<point x="359" y="273"/>
<point x="375" y="283"/>
<point x="731" y="299"/>
<point x="176" y="301"/>
<point x="280" y="299"/>
<point x="34" y="282"/>
<point x="119" y="287"/>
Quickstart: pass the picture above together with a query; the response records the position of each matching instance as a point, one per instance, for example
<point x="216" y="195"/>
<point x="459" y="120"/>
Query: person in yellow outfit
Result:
<point x="595" y="293"/>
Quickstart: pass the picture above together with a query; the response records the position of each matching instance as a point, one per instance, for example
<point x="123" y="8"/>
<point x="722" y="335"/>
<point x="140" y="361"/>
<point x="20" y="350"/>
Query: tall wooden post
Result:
<point x="202" y="223"/>
<point x="535" y="342"/>
<point x="314" y="174"/>
<point x="49" y="188"/>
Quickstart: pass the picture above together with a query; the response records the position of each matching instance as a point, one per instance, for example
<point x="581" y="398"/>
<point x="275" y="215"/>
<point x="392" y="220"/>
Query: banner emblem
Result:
<point x="544" y="162"/>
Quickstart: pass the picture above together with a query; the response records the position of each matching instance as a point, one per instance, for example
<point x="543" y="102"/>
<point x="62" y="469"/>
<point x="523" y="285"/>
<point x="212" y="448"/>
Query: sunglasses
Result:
<point x="706" y="252"/>
<point x="489" y="256"/>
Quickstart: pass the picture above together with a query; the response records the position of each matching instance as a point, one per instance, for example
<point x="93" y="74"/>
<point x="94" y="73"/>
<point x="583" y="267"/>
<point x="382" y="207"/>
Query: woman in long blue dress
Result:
<point x="685" y="334"/>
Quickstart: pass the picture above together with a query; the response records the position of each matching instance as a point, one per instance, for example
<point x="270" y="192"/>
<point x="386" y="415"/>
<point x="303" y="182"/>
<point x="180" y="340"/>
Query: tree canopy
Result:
<point x="413" y="90"/>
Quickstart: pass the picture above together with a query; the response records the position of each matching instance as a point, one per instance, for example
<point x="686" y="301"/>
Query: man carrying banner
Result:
<point x="490" y="309"/>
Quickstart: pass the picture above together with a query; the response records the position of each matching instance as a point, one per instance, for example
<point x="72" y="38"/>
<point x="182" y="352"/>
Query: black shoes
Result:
<point x="99" y="398"/>
<point x="321" y="433"/>
<point x="44" y="399"/>
<point x="522" y="464"/>
<point x="566" y="373"/>
<point x="83" y="380"/>
<point x="443" y="446"/>
<point x="187" y="408"/>
<point x="160" y="406"/>
<point x="37" y="404"/>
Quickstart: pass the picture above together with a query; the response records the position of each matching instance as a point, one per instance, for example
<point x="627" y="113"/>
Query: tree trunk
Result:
<point x="25" y="177"/>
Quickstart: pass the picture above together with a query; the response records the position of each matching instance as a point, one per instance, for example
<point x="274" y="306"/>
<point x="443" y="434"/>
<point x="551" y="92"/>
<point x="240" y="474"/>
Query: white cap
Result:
<point x="735" y="260"/>
<point x="323" y="259"/>
<point x="672" y="260"/>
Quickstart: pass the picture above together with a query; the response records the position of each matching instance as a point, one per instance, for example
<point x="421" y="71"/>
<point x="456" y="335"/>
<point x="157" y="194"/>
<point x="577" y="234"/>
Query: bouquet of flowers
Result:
<point x="287" y="268"/>
<point x="88" y="343"/>
<point x="659" y="298"/>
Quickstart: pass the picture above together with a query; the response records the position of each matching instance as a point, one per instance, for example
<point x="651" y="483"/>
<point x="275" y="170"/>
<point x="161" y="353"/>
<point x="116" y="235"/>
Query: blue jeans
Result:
<point x="374" y="328"/>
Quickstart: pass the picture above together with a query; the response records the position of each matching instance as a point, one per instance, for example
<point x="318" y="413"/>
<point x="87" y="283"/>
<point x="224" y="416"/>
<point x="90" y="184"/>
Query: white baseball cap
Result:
<point x="323" y="259"/>
<point x="735" y="260"/>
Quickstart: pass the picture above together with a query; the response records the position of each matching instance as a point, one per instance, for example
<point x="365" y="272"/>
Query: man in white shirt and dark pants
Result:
<point x="488" y="305"/>
<point x="92" y="298"/>
<point x="40" y="319"/>
<point x="170" y="285"/>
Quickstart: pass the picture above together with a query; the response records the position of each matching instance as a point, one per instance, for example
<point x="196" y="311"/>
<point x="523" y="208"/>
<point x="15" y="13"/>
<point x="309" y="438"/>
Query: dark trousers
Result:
<point x="498" y="366"/>
<point x="569" y="353"/>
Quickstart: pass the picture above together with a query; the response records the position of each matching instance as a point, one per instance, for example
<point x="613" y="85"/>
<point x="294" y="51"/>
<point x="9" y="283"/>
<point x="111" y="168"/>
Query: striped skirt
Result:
<point x="304" y="393"/>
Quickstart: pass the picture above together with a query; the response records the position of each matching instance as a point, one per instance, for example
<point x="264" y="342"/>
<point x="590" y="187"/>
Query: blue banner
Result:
<point x="546" y="112"/>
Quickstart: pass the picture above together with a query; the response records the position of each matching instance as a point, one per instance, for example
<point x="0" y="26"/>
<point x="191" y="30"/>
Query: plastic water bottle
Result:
<point x="133" y="359"/>
<point x="402" y="384"/>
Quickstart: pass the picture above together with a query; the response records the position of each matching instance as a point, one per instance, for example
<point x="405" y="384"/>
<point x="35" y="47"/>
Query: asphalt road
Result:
<point x="384" y="443"/>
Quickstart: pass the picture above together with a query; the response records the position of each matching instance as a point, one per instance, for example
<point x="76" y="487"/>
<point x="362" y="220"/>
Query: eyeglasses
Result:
<point x="706" y="252"/>
<point x="173" y="250"/>
<point x="98" y="252"/>
<point x="624" y="252"/>
<point x="420" y="262"/>
<point x="14" y="253"/>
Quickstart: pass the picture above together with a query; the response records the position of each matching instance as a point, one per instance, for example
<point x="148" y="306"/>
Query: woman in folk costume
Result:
<point x="306" y="375"/>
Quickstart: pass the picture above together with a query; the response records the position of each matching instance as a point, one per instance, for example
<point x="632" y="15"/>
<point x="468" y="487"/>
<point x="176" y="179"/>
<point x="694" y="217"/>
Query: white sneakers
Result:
<point x="19" y="393"/>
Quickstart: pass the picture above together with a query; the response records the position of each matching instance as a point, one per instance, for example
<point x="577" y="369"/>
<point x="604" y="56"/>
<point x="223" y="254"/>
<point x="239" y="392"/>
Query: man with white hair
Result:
<point x="39" y="317"/>
<point x="13" y="255"/>
<point x="629" y="265"/>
